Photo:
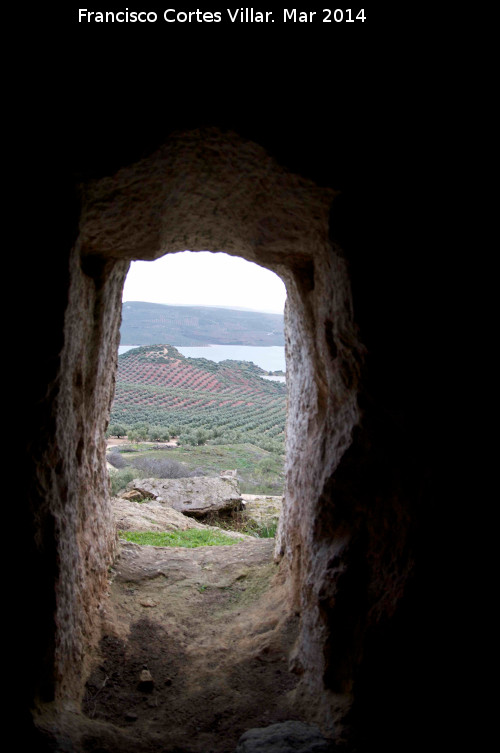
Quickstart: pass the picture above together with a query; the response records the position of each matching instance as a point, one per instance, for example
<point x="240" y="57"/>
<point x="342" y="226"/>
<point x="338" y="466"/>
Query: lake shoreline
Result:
<point x="271" y="358"/>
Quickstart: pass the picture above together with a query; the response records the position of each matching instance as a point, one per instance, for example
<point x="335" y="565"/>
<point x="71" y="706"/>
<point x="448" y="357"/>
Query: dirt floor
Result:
<point x="195" y="651"/>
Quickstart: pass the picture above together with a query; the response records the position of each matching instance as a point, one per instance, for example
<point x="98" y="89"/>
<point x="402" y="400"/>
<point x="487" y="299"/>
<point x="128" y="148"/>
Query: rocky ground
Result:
<point x="195" y="648"/>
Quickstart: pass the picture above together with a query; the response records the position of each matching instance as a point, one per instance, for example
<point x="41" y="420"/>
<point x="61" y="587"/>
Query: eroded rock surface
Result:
<point x="154" y="516"/>
<point x="287" y="737"/>
<point x="195" y="496"/>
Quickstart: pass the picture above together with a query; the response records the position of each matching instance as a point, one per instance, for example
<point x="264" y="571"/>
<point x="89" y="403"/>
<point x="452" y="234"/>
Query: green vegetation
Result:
<point x="120" y="478"/>
<point x="220" y="415"/>
<point x="238" y="522"/>
<point x="258" y="471"/>
<point x="148" y="323"/>
<point x="161" y="395"/>
<point x="265" y="531"/>
<point x="116" y="430"/>
<point x="191" y="538"/>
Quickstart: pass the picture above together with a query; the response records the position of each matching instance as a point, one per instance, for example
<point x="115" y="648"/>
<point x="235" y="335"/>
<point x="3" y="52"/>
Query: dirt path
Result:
<point x="124" y="441"/>
<point x="209" y="631"/>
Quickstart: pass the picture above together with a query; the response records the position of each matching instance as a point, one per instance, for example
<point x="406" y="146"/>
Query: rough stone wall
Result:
<point x="343" y="541"/>
<point x="207" y="191"/>
<point x="324" y="359"/>
<point x="74" y="522"/>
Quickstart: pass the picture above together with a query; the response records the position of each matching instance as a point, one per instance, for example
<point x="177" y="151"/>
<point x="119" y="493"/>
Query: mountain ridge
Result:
<point x="145" y="323"/>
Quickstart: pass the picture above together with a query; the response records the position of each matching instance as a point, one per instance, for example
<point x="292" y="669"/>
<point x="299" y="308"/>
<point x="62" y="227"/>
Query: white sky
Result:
<point x="203" y="278"/>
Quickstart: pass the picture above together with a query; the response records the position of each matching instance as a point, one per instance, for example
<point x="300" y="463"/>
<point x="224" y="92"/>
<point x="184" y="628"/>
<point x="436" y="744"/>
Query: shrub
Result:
<point x="266" y="531"/>
<point x="236" y="520"/>
<point x="119" y="479"/>
<point x="267" y="465"/>
<point x="187" y="439"/>
<point x="116" y="459"/>
<point x="201" y="436"/>
<point x="138" y="434"/>
<point x="163" y="468"/>
<point x="158" y="434"/>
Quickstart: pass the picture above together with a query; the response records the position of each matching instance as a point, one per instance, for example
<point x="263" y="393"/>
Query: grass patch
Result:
<point x="259" y="471"/>
<point x="191" y="538"/>
<point x="266" y="531"/>
<point x="236" y="520"/>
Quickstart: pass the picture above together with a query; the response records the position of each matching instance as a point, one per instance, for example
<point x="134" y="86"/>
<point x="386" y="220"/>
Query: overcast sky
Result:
<point x="205" y="279"/>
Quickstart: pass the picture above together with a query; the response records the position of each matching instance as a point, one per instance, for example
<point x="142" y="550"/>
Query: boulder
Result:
<point x="154" y="516"/>
<point x="195" y="496"/>
<point x="133" y="494"/>
<point x="286" y="737"/>
<point x="149" y="516"/>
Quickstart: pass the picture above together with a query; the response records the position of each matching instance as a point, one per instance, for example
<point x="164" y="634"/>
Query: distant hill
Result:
<point x="221" y="403"/>
<point x="150" y="323"/>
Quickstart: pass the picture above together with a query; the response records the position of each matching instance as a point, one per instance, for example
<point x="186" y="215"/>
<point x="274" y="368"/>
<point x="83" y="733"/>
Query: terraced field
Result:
<point x="203" y="401"/>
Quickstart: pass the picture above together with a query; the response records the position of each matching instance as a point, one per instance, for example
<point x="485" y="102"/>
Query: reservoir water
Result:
<point x="270" y="358"/>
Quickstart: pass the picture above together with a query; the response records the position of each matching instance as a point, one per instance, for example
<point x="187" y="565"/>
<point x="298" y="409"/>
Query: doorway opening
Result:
<point x="203" y="190"/>
<point x="198" y="615"/>
<point x="201" y="373"/>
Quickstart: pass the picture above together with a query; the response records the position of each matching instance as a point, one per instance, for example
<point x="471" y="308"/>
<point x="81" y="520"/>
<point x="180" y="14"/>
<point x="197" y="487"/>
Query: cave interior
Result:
<point x="338" y="151"/>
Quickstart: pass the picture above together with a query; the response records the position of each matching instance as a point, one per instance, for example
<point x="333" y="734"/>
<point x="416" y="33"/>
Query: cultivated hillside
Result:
<point x="150" y="323"/>
<point x="199" y="400"/>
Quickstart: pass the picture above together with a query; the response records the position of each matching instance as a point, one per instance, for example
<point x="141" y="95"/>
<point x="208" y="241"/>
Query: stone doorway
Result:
<point x="343" y="570"/>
